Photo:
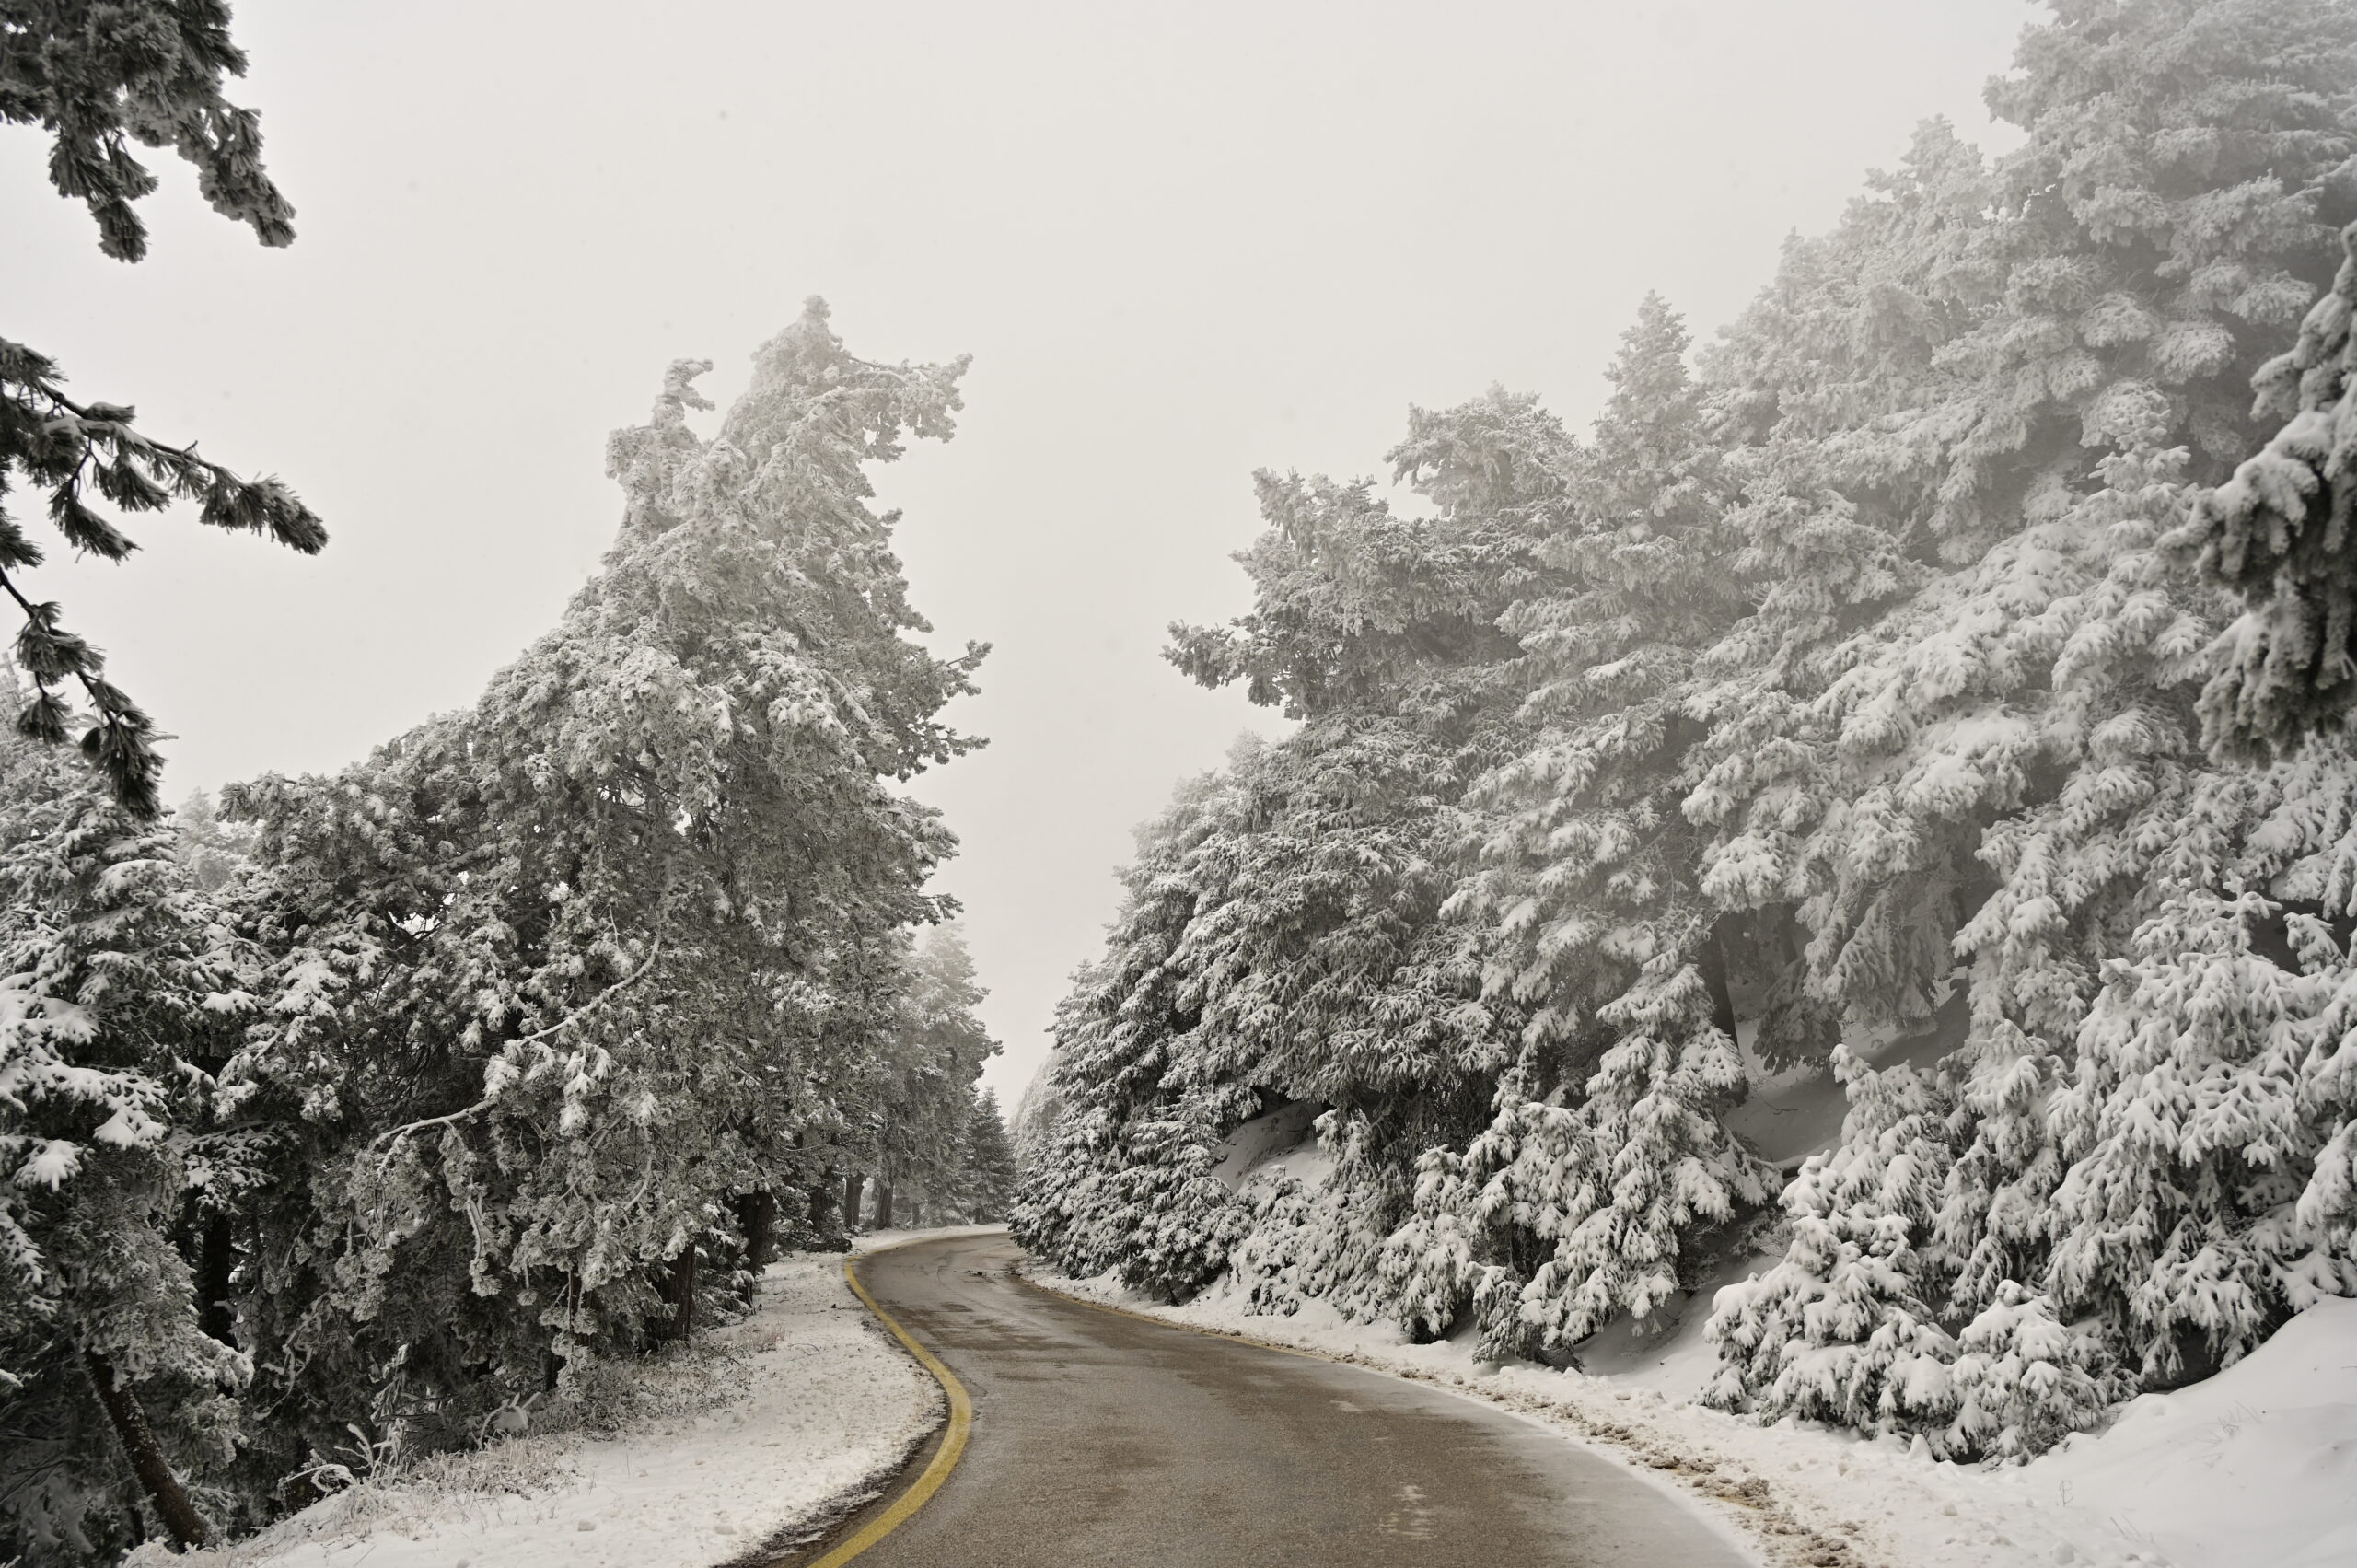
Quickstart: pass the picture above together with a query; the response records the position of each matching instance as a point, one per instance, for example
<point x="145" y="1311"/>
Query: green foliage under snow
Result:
<point x="343" y="1115"/>
<point x="1865" y="668"/>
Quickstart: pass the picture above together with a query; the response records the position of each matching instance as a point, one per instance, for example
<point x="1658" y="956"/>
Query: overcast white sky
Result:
<point x="1182" y="241"/>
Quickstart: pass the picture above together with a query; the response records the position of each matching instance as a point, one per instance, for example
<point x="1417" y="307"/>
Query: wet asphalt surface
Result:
<point x="1104" y="1439"/>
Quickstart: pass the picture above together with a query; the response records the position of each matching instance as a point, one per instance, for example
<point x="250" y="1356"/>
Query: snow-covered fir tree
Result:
<point x="1607" y="1153"/>
<point x="986" y="1183"/>
<point x="119" y="989"/>
<point x="1838" y="1332"/>
<point x="572" y="991"/>
<point x="1846" y="690"/>
<point x="906" y="1135"/>
<point x="2277" y="535"/>
<point x="2011" y="747"/>
<point x="1284" y="941"/>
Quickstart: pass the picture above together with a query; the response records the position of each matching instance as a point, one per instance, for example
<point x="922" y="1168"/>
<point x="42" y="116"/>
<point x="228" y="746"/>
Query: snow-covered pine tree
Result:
<point x="563" y="974"/>
<point x="116" y="1403"/>
<point x="922" y="1099"/>
<point x="2195" y="112"/>
<point x="1036" y="1112"/>
<point x="1825" y="397"/>
<point x="2017" y="732"/>
<point x="212" y="850"/>
<point x="99" y="77"/>
<point x="2278" y="536"/>
<point x="1607" y="1156"/>
<point x="1933" y="741"/>
<point x="1284" y="941"/>
<point x="2207" y="1119"/>
<point x="1121" y="1179"/>
<point x="987" y="1189"/>
<point x="1841" y="1330"/>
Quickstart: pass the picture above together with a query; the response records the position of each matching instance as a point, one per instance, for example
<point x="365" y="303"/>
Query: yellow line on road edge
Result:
<point x="944" y="1459"/>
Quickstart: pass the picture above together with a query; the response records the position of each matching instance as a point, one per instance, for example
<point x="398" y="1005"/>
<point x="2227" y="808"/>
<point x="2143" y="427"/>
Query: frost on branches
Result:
<point x="99" y="78"/>
<point x="120" y="996"/>
<point x="574" y="991"/>
<point x="339" y="1119"/>
<point x="2278" y="536"/>
<point x="1836" y="707"/>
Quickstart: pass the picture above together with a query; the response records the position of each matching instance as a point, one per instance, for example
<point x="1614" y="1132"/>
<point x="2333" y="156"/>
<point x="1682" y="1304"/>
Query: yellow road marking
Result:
<point x="944" y="1459"/>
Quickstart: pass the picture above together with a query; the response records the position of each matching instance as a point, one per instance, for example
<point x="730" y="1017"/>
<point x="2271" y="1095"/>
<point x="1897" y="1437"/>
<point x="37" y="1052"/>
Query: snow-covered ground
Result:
<point x="761" y="1432"/>
<point x="773" y="1425"/>
<point x="2256" y="1468"/>
<point x="877" y="1240"/>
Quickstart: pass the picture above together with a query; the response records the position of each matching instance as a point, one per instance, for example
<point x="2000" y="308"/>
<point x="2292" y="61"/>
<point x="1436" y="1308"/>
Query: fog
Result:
<point x="1182" y="243"/>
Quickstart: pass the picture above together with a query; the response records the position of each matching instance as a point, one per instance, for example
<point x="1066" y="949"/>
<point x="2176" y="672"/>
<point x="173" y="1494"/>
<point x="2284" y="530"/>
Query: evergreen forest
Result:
<point x="1928" y="699"/>
<point x="343" y="1114"/>
<point x="1936" y="687"/>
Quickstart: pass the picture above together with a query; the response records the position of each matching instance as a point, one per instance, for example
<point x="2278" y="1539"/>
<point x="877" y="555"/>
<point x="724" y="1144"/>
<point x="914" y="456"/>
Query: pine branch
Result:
<point x="488" y="1100"/>
<point x="120" y="741"/>
<point x="64" y="445"/>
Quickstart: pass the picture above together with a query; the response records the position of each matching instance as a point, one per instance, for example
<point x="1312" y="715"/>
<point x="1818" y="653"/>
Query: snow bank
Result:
<point x="2256" y="1468"/>
<point x="757" y="1437"/>
<point x="877" y="1240"/>
<point x="1288" y="1131"/>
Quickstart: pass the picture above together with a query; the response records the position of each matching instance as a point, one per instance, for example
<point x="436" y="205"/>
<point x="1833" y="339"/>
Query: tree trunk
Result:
<point x="852" y="1182"/>
<point x="683" y="1294"/>
<point x="147" y="1461"/>
<point x="1712" y="961"/>
<point x="757" y="1218"/>
<point x="215" y="1258"/>
<point x="825" y="1199"/>
<point x="883" y="1204"/>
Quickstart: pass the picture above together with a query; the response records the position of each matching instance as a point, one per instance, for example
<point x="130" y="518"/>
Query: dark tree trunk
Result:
<point x="215" y="1258"/>
<point x="757" y="1219"/>
<point x="883" y="1204"/>
<point x="1712" y="961"/>
<point x="825" y="1199"/>
<point x="683" y="1294"/>
<point x="853" y="1183"/>
<point x="147" y="1461"/>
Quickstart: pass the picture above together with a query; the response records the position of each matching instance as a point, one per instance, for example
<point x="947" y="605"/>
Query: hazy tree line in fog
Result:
<point x="1939" y="681"/>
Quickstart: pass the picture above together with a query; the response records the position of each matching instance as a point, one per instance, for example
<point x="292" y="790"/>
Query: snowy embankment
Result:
<point x="2255" y="1468"/>
<point x="762" y="1432"/>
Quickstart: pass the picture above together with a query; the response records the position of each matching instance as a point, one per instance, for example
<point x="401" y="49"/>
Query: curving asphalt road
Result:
<point x="1105" y="1439"/>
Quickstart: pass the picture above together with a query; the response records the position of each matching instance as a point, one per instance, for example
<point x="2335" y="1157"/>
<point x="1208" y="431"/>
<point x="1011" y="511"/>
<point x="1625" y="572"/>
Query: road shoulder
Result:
<point x="1794" y="1498"/>
<point x="762" y="1433"/>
